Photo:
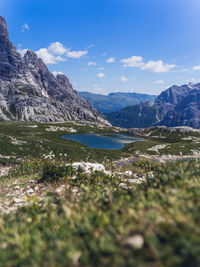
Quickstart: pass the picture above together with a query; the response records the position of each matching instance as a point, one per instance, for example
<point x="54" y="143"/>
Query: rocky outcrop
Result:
<point x="30" y="92"/>
<point x="184" y="106"/>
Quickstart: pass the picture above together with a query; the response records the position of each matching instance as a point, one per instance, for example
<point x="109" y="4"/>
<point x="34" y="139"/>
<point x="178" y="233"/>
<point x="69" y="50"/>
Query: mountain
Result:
<point x="137" y="116"/>
<point x="176" y="106"/>
<point x="30" y="92"/>
<point x="115" y="101"/>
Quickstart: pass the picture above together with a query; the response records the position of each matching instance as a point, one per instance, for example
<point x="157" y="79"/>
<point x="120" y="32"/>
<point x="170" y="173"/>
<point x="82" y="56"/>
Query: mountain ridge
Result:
<point x="30" y="92"/>
<point x="115" y="101"/>
<point x="176" y="106"/>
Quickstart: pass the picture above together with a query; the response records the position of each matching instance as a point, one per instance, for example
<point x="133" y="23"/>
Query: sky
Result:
<point x="105" y="46"/>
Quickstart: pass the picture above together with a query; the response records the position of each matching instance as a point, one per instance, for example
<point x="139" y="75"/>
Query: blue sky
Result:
<point x="111" y="45"/>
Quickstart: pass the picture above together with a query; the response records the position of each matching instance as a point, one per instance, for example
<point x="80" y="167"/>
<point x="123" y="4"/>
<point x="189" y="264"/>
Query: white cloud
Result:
<point x="123" y="79"/>
<point x="52" y="54"/>
<point x="101" y="75"/>
<point x="196" y="67"/>
<point x="110" y="60"/>
<point x="77" y="54"/>
<point x="104" y="54"/>
<point x="59" y="58"/>
<point x="47" y="57"/>
<point x="157" y="66"/>
<point x="89" y="47"/>
<point x="101" y="68"/>
<point x="56" y="52"/>
<point x="133" y="62"/>
<point x="159" y="82"/>
<point x="57" y="48"/>
<point x="25" y="27"/>
<point x="22" y="51"/>
<point x="154" y="66"/>
<point x="91" y="63"/>
<point x="97" y="88"/>
<point x="55" y="73"/>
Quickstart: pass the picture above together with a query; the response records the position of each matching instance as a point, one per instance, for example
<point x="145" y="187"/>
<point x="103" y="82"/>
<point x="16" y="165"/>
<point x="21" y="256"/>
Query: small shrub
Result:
<point x="53" y="172"/>
<point x="144" y="164"/>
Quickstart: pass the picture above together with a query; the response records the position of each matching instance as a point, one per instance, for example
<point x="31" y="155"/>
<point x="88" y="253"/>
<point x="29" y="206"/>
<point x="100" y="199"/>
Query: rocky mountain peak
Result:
<point x="3" y="27"/>
<point x="176" y="106"/>
<point x="33" y="61"/>
<point x="30" y="56"/>
<point x="30" y="92"/>
<point x="9" y="57"/>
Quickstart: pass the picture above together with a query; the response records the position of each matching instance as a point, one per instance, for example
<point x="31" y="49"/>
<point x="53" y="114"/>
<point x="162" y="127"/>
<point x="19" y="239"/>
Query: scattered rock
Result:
<point x="89" y="167"/>
<point x="60" y="189"/>
<point x="32" y="181"/>
<point x="17" y="187"/>
<point x="18" y="200"/>
<point x="30" y="191"/>
<point x="136" y="241"/>
<point x="128" y="173"/>
<point x="64" y="129"/>
<point x="157" y="148"/>
<point x="123" y="186"/>
<point x="75" y="190"/>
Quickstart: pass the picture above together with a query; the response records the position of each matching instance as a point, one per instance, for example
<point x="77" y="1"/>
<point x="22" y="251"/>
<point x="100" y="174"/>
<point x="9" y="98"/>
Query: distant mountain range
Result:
<point x="176" y="106"/>
<point x="115" y="101"/>
<point x="30" y="92"/>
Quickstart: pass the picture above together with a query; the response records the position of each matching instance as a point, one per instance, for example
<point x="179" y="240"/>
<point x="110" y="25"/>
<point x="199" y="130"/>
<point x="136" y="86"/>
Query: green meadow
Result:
<point x="55" y="215"/>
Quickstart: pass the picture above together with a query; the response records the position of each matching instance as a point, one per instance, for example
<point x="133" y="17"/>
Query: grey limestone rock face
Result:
<point x="30" y="92"/>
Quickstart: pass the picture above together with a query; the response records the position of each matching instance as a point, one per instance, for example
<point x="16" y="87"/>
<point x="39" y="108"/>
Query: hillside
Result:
<point x="176" y="106"/>
<point x="63" y="204"/>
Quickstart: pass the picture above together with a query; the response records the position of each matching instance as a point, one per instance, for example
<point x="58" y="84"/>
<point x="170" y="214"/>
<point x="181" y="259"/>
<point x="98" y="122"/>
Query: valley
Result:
<point x="88" y="179"/>
<point x="115" y="101"/>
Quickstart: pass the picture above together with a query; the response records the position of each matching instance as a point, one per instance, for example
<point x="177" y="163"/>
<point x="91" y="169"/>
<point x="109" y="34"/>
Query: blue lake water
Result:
<point x="116" y="141"/>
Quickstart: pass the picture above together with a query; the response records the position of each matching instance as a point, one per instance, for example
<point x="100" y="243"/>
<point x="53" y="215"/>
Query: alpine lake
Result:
<point x="103" y="141"/>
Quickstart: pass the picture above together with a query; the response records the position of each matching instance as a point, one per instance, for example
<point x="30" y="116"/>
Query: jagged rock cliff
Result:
<point x="30" y="92"/>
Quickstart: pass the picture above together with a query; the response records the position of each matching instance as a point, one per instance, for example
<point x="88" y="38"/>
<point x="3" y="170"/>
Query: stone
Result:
<point x="32" y="181"/>
<point x="89" y="167"/>
<point x="123" y="186"/>
<point x="17" y="187"/>
<point x="136" y="241"/>
<point x="17" y="200"/>
<point x="128" y="173"/>
<point x="30" y="191"/>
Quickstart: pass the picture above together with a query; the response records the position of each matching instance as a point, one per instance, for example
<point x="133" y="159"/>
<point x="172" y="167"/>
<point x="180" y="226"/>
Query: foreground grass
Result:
<point x="96" y="223"/>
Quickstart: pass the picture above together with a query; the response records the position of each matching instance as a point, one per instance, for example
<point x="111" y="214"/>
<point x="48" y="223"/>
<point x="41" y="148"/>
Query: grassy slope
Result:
<point x="95" y="227"/>
<point x="38" y="141"/>
<point x="94" y="221"/>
